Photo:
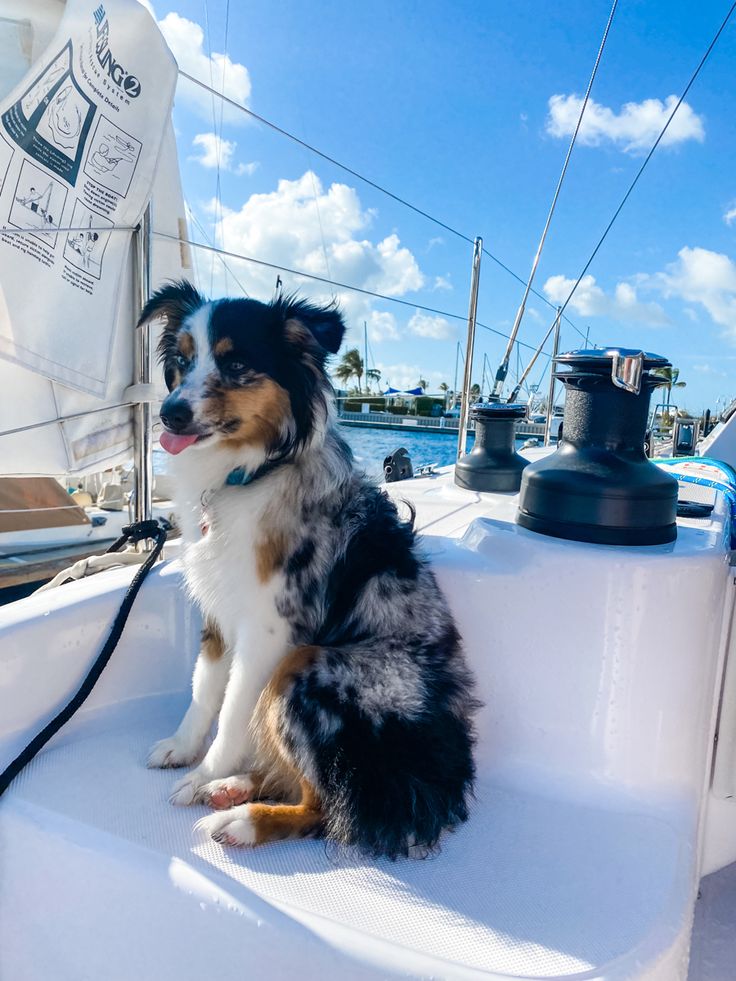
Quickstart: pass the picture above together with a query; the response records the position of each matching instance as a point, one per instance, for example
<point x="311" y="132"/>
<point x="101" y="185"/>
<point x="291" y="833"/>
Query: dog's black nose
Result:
<point x="176" y="414"/>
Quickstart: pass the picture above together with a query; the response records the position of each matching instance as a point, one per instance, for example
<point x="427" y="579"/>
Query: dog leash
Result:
<point x="131" y="533"/>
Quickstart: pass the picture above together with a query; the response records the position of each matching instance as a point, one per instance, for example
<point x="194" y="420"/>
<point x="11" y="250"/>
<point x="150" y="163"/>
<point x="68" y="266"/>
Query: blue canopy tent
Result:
<point x="406" y="393"/>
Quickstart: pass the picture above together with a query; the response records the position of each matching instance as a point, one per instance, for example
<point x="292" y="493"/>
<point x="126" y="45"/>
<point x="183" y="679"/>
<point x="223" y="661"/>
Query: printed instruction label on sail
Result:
<point x="80" y="138"/>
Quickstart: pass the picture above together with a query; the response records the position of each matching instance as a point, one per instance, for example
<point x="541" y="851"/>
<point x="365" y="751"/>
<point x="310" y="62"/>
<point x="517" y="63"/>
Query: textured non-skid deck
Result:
<point x="529" y="887"/>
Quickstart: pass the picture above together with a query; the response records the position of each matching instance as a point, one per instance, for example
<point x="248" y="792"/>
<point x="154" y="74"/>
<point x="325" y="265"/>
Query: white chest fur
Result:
<point x="222" y="533"/>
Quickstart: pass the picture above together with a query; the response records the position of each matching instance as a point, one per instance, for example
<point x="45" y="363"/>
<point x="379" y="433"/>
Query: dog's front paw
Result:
<point x="169" y="753"/>
<point x="185" y="791"/>
<point x="234" y="827"/>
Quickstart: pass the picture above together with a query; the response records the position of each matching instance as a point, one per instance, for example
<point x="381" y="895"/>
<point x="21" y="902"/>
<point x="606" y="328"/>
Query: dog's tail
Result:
<point x="412" y="781"/>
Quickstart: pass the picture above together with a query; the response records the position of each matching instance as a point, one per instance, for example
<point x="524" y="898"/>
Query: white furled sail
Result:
<point x="85" y="142"/>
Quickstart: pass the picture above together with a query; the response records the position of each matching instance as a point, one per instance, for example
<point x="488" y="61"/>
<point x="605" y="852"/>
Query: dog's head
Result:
<point x="242" y="374"/>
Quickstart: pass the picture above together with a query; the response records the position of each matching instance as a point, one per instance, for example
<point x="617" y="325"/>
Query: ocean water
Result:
<point x="371" y="446"/>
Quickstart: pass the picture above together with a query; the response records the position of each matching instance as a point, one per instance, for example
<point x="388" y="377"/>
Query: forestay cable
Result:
<point x="626" y="196"/>
<point x="504" y="366"/>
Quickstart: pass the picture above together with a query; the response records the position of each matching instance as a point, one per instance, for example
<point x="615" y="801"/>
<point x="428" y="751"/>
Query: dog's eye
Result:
<point x="181" y="362"/>
<point x="237" y="367"/>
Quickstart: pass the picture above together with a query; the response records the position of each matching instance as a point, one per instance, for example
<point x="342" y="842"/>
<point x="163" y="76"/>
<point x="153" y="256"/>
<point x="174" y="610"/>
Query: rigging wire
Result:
<point x="332" y="160"/>
<point x="69" y="228"/>
<point x="219" y="134"/>
<point x="504" y="366"/>
<point x="369" y="182"/>
<point x="227" y="268"/>
<point x="213" y="92"/>
<point x="330" y="282"/>
<point x="628" y="193"/>
<point x="536" y="292"/>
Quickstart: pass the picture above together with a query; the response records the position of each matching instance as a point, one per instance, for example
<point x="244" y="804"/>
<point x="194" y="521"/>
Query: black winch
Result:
<point x="493" y="464"/>
<point x="599" y="486"/>
<point x="397" y="466"/>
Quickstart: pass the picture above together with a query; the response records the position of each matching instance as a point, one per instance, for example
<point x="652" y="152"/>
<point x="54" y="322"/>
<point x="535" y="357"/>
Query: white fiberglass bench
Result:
<point x="598" y="668"/>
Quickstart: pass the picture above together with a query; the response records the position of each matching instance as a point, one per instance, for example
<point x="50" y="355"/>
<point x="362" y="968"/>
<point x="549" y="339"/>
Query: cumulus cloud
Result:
<point x="633" y="129"/>
<point x="381" y="326"/>
<point x="708" y="369"/>
<point x="730" y="215"/>
<point x="442" y="283"/>
<point x="324" y="231"/>
<point x="404" y="375"/>
<point x="428" y="325"/>
<point x="590" y="300"/>
<point x="707" y="278"/>
<point x="216" y="151"/>
<point x="186" y="40"/>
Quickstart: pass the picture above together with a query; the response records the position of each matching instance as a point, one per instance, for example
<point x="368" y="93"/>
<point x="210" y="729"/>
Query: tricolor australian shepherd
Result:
<point x="329" y="655"/>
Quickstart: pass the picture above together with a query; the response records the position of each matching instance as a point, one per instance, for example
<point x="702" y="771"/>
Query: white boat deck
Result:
<point x="579" y="861"/>
<point x="529" y="887"/>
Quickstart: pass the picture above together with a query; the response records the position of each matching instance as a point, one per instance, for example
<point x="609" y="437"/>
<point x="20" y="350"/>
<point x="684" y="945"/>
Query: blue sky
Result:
<point x="449" y="105"/>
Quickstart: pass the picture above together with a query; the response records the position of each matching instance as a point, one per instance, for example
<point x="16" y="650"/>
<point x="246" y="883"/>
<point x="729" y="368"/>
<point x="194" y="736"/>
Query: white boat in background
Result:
<point x="606" y="755"/>
<point x="38" y="515"/>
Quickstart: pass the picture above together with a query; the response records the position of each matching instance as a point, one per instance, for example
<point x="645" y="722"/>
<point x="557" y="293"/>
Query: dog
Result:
<point x="329" y="655"/>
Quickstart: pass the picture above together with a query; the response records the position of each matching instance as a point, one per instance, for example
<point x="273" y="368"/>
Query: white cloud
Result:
<point x="708" y="369"/>
<point x="324" y="231"/>
<point x="217" y="151"/>
<point x="708" y="278"/>
<point x="427" y="325"/>
<point x="186" y="40"/>
<point x="634" y="128"/>
<point x="403" y="375"/>
<point x="442" y="283"/>
<point x="730" y="215"/>
<point x="590" y="300"/>
<point x="382" y="326"/>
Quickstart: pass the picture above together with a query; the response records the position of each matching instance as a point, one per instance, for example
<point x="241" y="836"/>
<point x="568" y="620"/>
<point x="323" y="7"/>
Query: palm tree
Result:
<point x="372" y="374"/>
<point x="422" y="383"/>
<point x="475" y="391"/>
<point x="444" y="388"/>
<point x="350" y="366"/>
<point x="669" y="381"/>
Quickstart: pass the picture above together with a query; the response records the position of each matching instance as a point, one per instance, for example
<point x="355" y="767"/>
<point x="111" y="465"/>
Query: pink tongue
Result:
<point x="175" y="444"/>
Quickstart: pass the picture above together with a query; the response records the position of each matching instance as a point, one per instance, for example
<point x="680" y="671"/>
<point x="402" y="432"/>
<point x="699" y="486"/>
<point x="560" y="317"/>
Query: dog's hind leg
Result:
<point x="208" y="689"/>
<point x="257" y="824"/>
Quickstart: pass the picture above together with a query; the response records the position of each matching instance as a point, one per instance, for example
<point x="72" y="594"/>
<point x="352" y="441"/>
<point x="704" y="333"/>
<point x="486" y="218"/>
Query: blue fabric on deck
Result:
<point x="727" y="486"/>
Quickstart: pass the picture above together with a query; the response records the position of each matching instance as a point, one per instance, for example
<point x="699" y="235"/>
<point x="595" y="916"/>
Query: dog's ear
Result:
<point x="303" y="320"/>
<point x="175" y="301"/>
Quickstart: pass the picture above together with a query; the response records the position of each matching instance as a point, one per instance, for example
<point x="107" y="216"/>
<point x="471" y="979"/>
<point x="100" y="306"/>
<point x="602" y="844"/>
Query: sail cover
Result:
<point x="85" y="139"/>
<point x="80" y="138"/>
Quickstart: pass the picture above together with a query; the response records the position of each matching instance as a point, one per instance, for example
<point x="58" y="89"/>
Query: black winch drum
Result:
<point x="599" y="486"/>
<point x="493" y="464"/>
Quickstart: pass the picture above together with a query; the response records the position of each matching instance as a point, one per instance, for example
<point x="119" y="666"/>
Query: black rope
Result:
<point x="131" y="533"/>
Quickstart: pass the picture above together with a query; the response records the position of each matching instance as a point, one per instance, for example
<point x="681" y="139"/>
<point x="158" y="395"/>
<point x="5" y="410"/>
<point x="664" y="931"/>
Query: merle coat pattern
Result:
<point x="329" y="653"/>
